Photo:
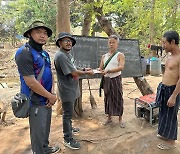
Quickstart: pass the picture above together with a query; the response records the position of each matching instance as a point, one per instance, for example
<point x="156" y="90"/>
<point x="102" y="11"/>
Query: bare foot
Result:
<point x="161" y="137"/>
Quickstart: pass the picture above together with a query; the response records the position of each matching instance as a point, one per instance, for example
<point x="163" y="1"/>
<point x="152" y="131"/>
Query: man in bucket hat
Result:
<point x="68" y="84"/>
<point x="30" y="59"/>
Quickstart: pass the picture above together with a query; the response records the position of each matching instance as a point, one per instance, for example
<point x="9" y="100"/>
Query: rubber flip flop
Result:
<point x="122" y="125"/>
<point x="164" y="146"/>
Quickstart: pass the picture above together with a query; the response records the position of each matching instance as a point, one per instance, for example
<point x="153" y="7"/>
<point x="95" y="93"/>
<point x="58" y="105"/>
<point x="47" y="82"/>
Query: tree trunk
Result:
<point x="59" y="110"/>
<point x="86" y="24"/>
<point x="63" y="16"/>
<point x="151" y="26"/>
<point x="78" y="112"/>
<point x="104" y="23"/>
<point x="141" y="83"/>
<point x="62" y="25"/>
<point x="174" y="13"/>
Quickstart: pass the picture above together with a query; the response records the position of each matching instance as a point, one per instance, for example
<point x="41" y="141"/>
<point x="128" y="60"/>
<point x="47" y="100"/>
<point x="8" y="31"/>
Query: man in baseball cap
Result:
<point x="37" y="84"/>
<point x="68" y="84"/>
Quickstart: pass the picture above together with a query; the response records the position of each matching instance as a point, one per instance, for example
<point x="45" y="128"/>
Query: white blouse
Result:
<point x="111" y="65"/>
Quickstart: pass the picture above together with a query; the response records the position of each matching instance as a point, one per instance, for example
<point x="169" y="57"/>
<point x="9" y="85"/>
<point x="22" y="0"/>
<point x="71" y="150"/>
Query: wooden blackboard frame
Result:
<point x="88" y="52"/>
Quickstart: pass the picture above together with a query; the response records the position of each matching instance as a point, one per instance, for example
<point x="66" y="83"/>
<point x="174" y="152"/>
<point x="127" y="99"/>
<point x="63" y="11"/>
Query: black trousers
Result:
<point x="67" y="119"/>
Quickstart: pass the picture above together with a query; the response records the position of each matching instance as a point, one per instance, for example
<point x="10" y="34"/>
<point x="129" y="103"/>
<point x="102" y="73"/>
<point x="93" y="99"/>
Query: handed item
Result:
<point x="96" y="71"/>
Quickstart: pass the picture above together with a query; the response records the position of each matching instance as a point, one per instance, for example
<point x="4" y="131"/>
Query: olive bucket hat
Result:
<point x="63" y="35"/>
<point x="37" y="24"/>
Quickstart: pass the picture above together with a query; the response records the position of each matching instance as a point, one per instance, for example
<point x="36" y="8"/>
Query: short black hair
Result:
<point x="172" y="35"/>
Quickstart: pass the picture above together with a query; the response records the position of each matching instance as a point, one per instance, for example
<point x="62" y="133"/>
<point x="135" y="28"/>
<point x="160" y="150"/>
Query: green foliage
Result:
<point x="23" y="12"/>
<point x="130" y="18"/>
<point x="76" y="14"/>
<point x="35" y="10"/>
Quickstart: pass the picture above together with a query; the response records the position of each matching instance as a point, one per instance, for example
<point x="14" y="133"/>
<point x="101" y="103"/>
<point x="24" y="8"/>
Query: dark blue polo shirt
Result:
<point x="29" y="63"/>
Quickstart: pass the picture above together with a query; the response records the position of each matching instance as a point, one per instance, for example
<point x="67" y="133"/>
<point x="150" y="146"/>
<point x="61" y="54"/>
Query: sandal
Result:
<point x="164" y="146"/>
<point x="107" y="122"/>
<point x="122" y="125"/>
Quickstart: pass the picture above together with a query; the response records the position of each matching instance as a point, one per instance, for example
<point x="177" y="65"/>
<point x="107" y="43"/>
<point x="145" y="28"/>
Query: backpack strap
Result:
<point x="109" y="59"/>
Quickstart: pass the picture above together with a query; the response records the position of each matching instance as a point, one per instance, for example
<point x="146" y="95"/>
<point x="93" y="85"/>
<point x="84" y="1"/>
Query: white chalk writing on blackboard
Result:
<point x="89" y="50"/>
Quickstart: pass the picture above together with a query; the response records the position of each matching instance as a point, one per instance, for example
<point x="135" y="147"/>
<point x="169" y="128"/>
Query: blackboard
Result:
<point x="88" y="52"/>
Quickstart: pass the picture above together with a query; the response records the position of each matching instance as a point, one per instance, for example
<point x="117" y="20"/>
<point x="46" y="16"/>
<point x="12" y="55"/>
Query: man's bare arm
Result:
<point x="35" y="86"/>
<point x="101" y="66"/>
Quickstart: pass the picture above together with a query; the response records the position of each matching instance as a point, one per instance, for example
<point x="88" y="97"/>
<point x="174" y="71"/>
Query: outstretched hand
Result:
<point x="88" y="69"/>
<point x="103" y="72"/>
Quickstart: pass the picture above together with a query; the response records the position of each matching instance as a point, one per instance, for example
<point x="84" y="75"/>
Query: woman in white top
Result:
<point x="112" y="83"/>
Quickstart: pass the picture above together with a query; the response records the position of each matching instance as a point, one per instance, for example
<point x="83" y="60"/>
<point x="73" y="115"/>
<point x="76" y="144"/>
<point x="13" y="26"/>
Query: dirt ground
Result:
<point x="137" y="138"/>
